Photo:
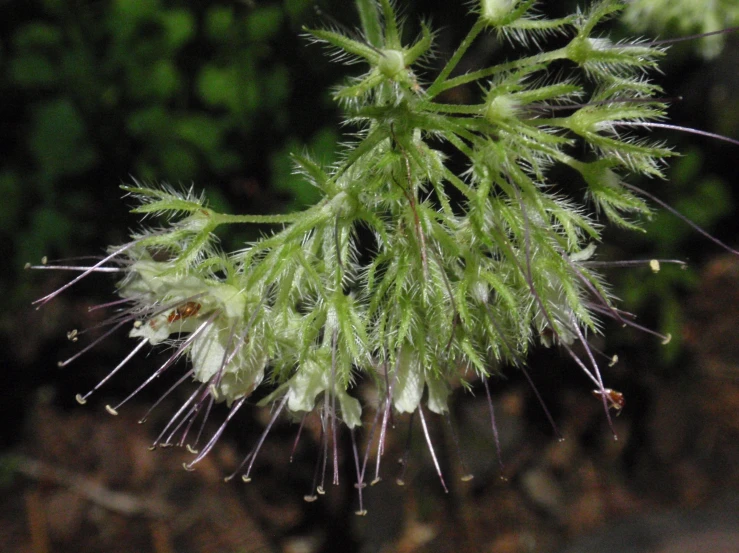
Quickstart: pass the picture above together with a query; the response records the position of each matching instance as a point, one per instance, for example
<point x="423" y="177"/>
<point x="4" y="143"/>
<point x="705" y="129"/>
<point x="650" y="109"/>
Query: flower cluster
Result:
<point x="456" y="273"/>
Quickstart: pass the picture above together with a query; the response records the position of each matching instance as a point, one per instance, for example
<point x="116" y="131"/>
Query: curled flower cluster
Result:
<point x="409" y="272"/>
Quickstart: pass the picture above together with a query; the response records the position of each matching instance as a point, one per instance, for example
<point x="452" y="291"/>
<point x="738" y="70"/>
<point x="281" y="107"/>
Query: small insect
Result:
<point x="188" y="309"/>
<point x="615" y="399"/>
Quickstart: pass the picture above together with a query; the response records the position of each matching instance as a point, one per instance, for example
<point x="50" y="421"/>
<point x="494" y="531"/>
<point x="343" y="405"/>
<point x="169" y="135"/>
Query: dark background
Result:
<point x="97" y="92"/>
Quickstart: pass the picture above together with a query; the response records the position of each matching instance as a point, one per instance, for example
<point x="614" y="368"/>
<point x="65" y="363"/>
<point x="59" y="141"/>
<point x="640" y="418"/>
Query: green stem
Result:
<point x="489" y="71"/>
<point x="452" y="63"/>
<point x="225" y="219"/>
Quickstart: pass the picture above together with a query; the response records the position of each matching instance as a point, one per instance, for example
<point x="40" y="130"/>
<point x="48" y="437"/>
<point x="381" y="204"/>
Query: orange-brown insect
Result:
<point x="615" y="399"/>
<point x="187" y="309"/>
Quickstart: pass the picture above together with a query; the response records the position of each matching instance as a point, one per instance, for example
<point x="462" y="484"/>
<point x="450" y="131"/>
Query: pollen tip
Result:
<point x="560" y="439"/>
<point x="667" y="340"/>
<point x="310" y="498"/>
<point x="614" y="360"/>
<point x="165" y="445"/>
<point x="654" y="265"/>
<point x="60" y="364"/>
<point x="503" y="478"/>
<point x="27" y="266"/>
<point x="320" y="490"/>
<point x="44" y="260"/>
<point x="246" y="479"/>
<point x="142" y="421"/>
<point x="376" y="481"/>
<point x="151" y="447"/>
<point x="81" y="400"/>
<point x="191" y="449"/>
<point x="110" y="410"/>
<point x="188" y="467"/>
<point x="361" y="513"/>
<point x="400" y="482"/>
<point x="467" y="477"/>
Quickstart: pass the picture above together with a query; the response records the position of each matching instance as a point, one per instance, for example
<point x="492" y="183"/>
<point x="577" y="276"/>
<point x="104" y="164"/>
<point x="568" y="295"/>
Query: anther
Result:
<point x="81" y="400"/>
<point x="310" y="498"/>
<point x="110" y="410"/>
<point x="187" y="467"/>
<point x="654" y="265"/>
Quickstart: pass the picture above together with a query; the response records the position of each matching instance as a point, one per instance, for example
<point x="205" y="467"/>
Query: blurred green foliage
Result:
<point x="99" y="92"/>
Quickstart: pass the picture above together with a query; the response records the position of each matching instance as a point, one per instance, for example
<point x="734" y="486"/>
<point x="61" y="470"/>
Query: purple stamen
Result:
<point x="494" y="425"/>
<point x="49" y="297"/>
<point x="431" y="448"/>
<point x="83" y="399"/>
<point x="234" y="409"/>
<point x="246" y="477"/>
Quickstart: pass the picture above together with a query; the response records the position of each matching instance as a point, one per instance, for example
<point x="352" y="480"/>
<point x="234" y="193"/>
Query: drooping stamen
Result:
<point x="522" y="366"/>
<point x="179" y="412"/>
<point x="324" y="437"/>
<point x="132" y="299"/>
<point x="596" y="371"/>
<point x="83" y="399"/>
<point x="632" y="262"/>
<point x="312" y="496"/>
<point x="590" y="286"/>
<point x="190" y="418"/>
<point x="679" y="215"/>
<point x="95" y="342"/>
<point x="246" y="477"/>
<point x="42" y="301"/>
<point x="381" y="440"/>
<point x="665" y="338"/>
<point x="431" y="448"/>
<point x="332" y="393"/>
<point x="662" y="42"/>
<point x="217" y="434"/>
<point x="175" y="356"/>
<point x="370" y="438"/>
<point x="76" y="268"/>
<point x="670" y="126"/>
<point x="297" y="437"/>
<point x="400" y="480"/>
<point x="467" y="476"/>
<point x="387" y="414"/>
<point x="360" y="476"/>
<point x="494" y="426"/>
<point x="238" y="469"/>
<point x="206" y="415"/>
